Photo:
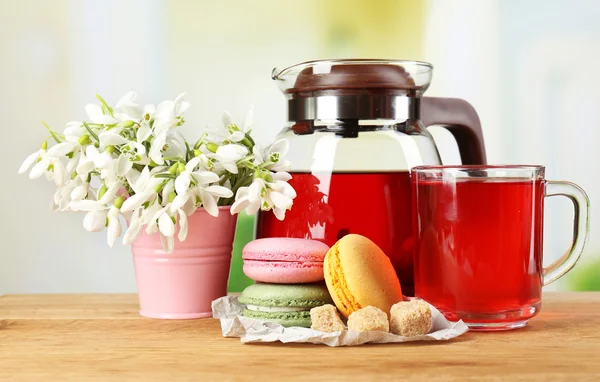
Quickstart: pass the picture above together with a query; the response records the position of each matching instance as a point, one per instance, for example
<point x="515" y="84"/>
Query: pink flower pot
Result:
<point x="182" y="284"/>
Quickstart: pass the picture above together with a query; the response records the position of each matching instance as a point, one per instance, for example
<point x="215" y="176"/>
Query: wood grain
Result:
<point x="102" y="338"/>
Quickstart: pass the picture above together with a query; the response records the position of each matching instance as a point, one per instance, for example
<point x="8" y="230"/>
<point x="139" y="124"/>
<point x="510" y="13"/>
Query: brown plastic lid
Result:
<point x="353" y="79"/>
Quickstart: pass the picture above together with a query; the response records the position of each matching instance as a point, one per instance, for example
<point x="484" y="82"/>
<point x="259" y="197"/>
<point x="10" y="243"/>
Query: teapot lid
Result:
<point x="355" y="76"/>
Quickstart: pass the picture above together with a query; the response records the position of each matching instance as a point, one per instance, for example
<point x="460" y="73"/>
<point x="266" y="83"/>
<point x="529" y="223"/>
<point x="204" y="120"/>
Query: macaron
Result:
<point x="284" y="304"/>
<point x="282" y="260"/>
<point x="358" y="274"/>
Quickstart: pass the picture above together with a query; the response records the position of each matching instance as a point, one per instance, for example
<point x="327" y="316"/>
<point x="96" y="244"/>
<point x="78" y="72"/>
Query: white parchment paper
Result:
<point x="229" y="311"/>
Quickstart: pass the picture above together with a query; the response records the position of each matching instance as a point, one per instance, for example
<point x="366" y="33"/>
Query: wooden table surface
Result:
<point x="102" y="338"/>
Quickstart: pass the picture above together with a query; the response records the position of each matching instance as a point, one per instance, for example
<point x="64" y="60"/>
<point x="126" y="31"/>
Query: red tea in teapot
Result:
<point x="375" y="205"/>
<point x="355" y="129"/>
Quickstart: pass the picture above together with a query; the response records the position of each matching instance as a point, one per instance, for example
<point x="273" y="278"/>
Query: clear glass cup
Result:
<point x="479" y="238"/>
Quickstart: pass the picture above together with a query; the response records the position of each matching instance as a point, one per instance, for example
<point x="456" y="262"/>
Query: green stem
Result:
<point x="200" y="141"/>
<point x="225" y="179"/>
<point x="244" y="178"/>
<point x="89" y="178"/>
<point x="246" y="159"/>
<point x="265" y="164"/>
<point x="53" y="133"/>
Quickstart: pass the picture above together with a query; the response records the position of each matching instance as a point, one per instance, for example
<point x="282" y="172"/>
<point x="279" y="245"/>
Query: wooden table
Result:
<point x="101" y="337"/>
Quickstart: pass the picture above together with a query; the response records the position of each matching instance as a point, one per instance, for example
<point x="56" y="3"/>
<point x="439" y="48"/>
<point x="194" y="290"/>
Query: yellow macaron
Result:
<point x="359" y="274"/>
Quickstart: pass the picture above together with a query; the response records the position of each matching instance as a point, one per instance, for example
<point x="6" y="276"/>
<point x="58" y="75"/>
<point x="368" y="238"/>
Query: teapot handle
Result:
<point x="461" y="119"/>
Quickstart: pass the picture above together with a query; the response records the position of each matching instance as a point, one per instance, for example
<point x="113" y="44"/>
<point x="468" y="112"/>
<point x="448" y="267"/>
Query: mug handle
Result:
<point x="581" y="227"/>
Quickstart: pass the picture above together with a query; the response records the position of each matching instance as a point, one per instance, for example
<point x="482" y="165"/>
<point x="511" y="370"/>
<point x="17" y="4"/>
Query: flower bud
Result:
<point x="110" y="149"/>
<point x="119" y="202"/>
<point x="246" y="142"/>
<point x="197" y="153"/>
<point x="212" y="147"/>
<point x="44" y="145"/>
<point x="84" y="139"/>
<point x="128" y="123"/>
<point x="173" y="168"/>
<point x="158" y="188"/>
<point x="102" y="191"/>
<point x="181" y="167"/>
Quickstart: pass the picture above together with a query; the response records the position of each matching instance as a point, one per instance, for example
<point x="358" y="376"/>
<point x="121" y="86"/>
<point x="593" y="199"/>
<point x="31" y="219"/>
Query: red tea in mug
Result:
<point x="480" y="249"/>
<point x="478" y="253"/>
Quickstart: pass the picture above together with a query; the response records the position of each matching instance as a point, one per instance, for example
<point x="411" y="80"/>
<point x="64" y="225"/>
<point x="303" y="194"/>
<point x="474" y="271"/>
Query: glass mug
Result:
<point x="479" y="230"/>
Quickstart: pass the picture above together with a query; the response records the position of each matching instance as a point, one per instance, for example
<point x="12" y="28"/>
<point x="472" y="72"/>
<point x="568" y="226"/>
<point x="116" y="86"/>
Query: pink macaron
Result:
<point x="282" y="260"/>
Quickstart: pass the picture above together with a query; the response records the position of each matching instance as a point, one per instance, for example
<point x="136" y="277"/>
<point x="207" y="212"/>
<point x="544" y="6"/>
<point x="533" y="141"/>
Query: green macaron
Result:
<point x="284" y="304"/>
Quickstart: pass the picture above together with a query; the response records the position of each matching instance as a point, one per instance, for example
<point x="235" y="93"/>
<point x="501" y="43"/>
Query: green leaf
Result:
<point x="89" y="129"/>
<point x="165" y="176"/>
<point x="188" y="152"/>
<point x="176" y="159"/>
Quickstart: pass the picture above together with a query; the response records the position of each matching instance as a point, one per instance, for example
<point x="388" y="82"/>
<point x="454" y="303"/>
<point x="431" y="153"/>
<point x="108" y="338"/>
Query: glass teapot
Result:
<point x="356" y="128"/>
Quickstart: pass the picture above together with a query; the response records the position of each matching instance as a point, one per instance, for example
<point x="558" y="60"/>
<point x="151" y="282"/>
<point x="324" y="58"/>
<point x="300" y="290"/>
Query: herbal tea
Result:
<point x="329" y="206"/>
<point x="479" y="247"/>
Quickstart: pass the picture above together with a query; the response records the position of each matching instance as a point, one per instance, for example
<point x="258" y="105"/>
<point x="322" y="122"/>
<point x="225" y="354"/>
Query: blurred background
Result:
<point x="526" y="66"/>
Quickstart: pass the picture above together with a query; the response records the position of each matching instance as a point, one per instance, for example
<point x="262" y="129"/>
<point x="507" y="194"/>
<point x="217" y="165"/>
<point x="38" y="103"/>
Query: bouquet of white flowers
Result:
<point x="132" y="161"/>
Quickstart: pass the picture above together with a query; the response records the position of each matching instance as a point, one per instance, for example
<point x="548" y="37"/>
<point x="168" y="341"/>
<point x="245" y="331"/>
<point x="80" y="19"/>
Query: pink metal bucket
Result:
<point x="182" y="284"/>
